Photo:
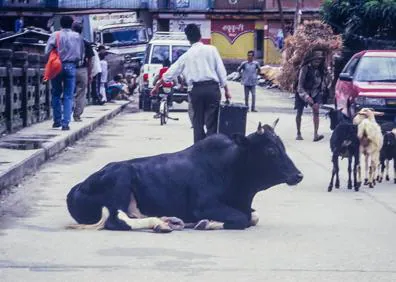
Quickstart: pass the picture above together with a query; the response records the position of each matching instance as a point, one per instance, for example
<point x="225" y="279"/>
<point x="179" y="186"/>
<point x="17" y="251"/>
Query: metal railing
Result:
<point x="24" y="98"/>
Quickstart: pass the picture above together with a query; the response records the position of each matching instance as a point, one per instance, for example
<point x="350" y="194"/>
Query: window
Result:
<point x="124" y="36"/>
<point x="159" y="54"/>
<point x="177" y="51"/>
<point x="351" y="66"/>
<point x="380" y="69"/>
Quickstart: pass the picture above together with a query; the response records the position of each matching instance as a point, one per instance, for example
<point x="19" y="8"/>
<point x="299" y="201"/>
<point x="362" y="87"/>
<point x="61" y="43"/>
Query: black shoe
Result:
<point x="65" y="127"/>
<point x="77" y="119"/>
<point x="253" y="110"/>
<point x="56" y="125"/>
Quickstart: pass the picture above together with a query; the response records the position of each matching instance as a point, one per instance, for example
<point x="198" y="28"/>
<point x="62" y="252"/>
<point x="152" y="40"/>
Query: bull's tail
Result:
<point x="96" y="226"/>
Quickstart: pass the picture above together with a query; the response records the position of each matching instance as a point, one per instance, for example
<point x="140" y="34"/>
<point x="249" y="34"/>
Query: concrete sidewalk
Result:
<point x="23" y="152"/>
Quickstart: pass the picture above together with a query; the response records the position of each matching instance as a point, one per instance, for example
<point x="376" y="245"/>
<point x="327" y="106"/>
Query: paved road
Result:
<point x="304" y="233"/>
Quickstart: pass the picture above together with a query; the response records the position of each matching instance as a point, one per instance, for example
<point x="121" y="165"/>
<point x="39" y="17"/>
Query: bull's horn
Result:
<point x="260" y="129"/>
<point x="275" y="123"/>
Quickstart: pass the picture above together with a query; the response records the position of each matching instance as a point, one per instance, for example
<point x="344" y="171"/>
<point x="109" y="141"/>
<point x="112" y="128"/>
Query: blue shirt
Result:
<point x="249" y="72"/>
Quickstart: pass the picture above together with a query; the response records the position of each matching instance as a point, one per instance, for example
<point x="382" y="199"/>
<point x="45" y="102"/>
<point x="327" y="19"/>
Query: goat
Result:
<point x="388" y="153"/>
<point x="345" y="144"/>
<point x="371" y="140"/>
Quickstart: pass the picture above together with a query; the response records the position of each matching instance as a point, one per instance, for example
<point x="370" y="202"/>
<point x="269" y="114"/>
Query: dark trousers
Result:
<point x="205" y="100"/>
<point x="95" y="89"/>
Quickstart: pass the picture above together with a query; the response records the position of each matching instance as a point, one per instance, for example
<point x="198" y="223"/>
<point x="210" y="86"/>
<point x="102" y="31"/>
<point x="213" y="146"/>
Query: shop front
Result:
<point x="178" y="25"/>
<point x="233" y="38"/>
<point x="178" y="22"/>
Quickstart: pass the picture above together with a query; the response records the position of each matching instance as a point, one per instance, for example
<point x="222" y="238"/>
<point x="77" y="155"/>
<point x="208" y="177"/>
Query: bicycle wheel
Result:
<point x="166" y="111"/>
<point x="162" y="119"/>
<point x="162" y="111"/>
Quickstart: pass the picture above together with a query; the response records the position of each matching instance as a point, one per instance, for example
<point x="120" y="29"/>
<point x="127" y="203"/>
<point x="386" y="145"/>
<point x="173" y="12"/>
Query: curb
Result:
<point x="32" y="163"/>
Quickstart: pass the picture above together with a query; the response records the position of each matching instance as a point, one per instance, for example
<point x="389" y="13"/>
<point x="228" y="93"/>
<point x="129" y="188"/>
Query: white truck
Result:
<point x="123" y="35"/>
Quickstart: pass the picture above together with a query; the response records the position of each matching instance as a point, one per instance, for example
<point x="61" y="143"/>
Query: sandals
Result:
<point x="318" y="138"/>
<point x="299" y="137"/>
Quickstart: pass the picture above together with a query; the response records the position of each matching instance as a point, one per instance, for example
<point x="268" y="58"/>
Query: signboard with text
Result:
<point x="179" y="25"/>
<point x="232" y="29"/>
<point x="182" y="4"/>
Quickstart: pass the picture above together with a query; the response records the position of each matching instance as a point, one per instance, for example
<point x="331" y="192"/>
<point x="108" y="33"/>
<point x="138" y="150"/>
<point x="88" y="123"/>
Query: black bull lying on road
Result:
<point x="210" y="185"/>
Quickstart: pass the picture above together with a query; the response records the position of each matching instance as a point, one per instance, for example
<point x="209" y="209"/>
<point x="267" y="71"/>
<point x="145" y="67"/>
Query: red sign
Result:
<point x="232" y="29"/>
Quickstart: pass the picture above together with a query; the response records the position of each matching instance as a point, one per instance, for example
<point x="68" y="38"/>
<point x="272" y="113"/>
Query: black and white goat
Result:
<point x="387" y="154"/>
<point x="344" y="143"/>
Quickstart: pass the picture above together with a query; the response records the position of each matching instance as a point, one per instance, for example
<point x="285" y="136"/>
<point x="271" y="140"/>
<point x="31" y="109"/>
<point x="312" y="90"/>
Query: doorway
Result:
<point x="259" y="43"/>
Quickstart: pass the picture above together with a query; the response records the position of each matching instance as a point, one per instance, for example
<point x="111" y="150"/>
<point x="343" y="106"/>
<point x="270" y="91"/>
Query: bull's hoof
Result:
<point x="174" y="222"/>
<point x="202" y="224"/>
<point x="255" y="219"/>
<point x="162" y="228"/>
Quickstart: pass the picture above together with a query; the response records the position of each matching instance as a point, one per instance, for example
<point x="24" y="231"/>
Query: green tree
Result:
<point x="363" y="24"/>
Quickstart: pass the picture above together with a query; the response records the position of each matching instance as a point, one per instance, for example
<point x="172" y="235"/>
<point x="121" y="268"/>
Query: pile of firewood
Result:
<point x="268" y="77"/>
<point x="312" y="35"/>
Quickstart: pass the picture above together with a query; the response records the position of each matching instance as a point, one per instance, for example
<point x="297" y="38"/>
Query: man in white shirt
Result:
<point x="203" y="69"/>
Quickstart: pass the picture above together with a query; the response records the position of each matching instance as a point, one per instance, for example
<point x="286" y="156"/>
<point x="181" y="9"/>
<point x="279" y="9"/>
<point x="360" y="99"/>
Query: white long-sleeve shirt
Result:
<point x="200" y="63"/>
<point x="104" y="67"/>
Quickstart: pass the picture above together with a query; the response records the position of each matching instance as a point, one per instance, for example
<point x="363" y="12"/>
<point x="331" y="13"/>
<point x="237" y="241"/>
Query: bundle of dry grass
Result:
<point x="312" y="35"/>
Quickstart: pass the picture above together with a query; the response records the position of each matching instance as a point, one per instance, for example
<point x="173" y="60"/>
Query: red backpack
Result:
<point x="54" y="64"/>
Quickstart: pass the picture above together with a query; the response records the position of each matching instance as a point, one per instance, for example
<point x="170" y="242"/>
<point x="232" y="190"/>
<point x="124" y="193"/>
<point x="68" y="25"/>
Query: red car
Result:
<point x="369" y="80"/>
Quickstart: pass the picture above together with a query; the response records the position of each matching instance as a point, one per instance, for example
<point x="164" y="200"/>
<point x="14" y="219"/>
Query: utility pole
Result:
<point x="297" y="15"/>
<point x="281" y="17"/>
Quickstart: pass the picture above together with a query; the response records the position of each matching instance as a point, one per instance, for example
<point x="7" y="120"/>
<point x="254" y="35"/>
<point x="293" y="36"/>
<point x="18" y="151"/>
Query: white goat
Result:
<point x="371" y="141"/>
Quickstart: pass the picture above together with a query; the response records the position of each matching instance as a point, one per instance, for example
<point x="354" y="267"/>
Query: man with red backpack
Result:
<point x="70" y="47"/>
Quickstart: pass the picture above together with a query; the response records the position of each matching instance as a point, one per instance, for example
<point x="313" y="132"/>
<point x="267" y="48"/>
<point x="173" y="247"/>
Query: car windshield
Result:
<point x="124" y="36"/>
<point x="159" y="54"/>
<point x="376" y="69"/>
<point x="177" y="51"/>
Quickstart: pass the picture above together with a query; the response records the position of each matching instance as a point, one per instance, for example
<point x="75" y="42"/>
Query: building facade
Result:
<point x="233" y="26"/>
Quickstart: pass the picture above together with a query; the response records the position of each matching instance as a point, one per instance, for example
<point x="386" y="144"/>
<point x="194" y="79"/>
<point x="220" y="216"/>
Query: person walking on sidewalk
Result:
<point x="204" y="70"/>
<point x="313" y="79"/>
<point x="249" y="70"/>
<point x="83" y="76"/>
<point x="71" y="51"/>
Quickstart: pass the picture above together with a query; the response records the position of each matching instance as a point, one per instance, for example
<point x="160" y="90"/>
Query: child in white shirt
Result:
<point x="103" y="77"/>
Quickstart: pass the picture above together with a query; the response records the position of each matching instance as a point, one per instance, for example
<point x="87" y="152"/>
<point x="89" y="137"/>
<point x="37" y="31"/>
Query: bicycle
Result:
<point x="163" y="112"/>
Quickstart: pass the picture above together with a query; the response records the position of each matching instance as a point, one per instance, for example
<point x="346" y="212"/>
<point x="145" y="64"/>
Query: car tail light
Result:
<point x="145" y="79"/>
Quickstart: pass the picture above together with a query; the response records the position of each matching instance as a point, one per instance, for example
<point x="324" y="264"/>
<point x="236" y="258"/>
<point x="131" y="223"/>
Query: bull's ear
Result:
<point x="240" y="139"/>
<point x="260" y="129"/>
<point x="275" y="123"/>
